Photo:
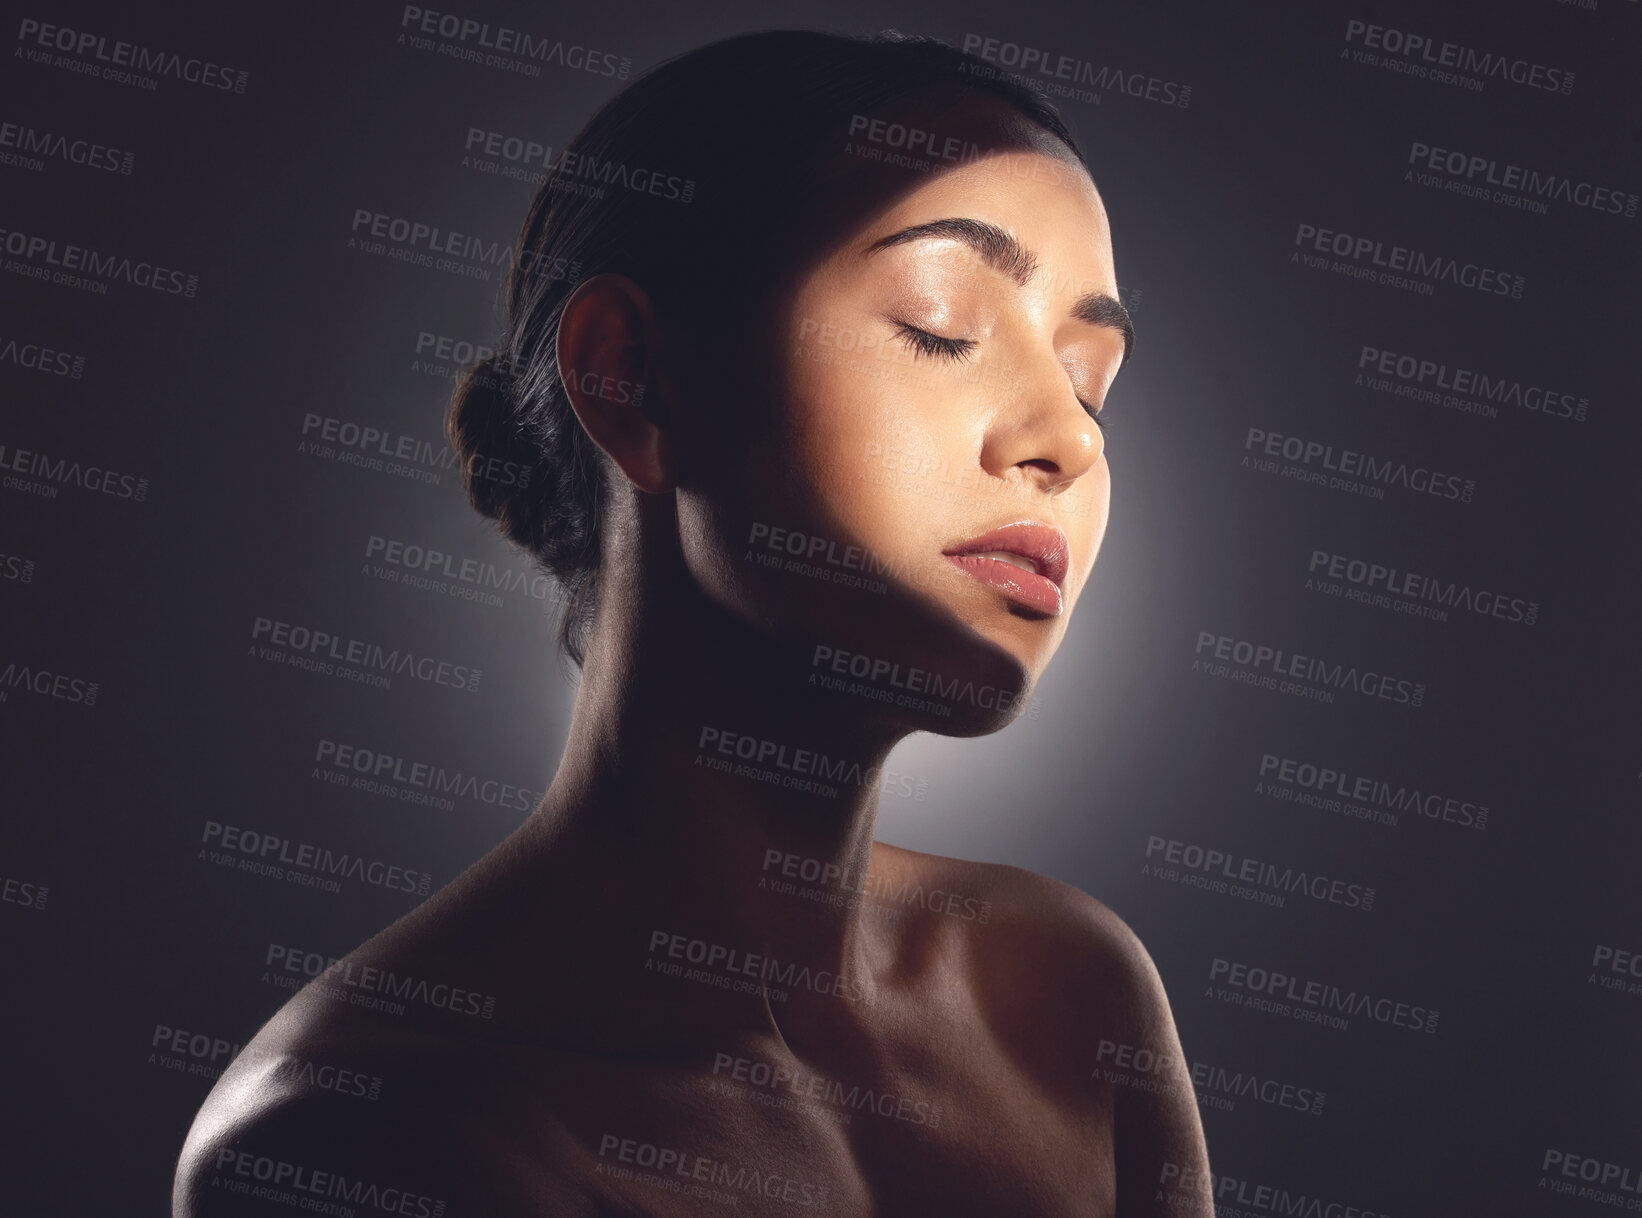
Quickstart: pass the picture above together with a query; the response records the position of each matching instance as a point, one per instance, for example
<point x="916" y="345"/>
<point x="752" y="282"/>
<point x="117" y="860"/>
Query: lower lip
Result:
<point x="1023" y="587"/>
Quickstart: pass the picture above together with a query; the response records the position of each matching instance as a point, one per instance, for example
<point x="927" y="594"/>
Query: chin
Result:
<point x="946" y="665"/>
<point x="976" y="722"/>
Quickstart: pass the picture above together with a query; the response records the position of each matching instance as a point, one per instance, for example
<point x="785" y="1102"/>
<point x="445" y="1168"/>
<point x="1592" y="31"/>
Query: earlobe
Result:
<point x="608" y="351"/>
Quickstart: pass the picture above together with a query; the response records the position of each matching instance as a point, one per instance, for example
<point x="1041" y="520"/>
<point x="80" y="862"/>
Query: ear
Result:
<point x="608" y="349"/>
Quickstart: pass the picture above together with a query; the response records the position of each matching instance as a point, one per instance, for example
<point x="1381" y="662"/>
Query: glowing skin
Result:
<point x="1008" y="410"/>
<point x="1012" y="1028"/>
<point x="995" y="428"/>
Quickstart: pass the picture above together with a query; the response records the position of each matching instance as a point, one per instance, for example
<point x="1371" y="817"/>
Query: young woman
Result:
<point x="807" y="346"/>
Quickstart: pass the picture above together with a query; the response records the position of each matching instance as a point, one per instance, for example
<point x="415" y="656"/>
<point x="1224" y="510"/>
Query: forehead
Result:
<point x="1024" y="191"/>
<point x="1003" y="169"/>
<point x="979" y="157"/>
<point x="992" y="223"/>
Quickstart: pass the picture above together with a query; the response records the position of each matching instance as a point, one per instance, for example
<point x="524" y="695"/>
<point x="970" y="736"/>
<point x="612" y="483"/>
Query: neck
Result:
<point x="711" y="778"/>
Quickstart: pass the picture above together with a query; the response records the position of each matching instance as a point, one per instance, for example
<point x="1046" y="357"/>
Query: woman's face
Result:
<point x="937" y="380"/>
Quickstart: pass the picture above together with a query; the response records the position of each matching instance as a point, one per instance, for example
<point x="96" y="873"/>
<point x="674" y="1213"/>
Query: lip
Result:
<point x="1043" y="544"/>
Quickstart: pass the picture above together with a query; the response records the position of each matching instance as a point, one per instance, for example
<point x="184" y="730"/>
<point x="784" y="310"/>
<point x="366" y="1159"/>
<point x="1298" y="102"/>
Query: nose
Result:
<point x="1042" y="430"/>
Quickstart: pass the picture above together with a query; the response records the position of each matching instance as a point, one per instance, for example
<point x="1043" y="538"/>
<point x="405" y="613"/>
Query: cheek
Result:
<point x="1084" y="518"/>
<point x="869" y="426"/>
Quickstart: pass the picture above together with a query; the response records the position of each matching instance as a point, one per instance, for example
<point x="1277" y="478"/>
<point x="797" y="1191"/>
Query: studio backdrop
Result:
<point x="1346" y="727"/>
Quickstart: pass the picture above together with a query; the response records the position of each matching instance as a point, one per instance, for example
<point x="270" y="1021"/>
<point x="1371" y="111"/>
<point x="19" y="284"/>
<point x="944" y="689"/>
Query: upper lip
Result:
<point x="1043" y="543"/>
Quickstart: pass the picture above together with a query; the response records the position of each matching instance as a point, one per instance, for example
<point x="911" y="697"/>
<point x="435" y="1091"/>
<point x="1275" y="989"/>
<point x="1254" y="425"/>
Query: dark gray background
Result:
<point x="205" y="397"/>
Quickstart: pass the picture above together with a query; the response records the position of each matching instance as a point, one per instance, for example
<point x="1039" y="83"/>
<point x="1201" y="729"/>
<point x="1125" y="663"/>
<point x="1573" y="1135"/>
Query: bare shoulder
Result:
<point x="1036" y="921"/>
<point x="1070" y="996"/>
<point x="321" y="1110"/>
<point x="390" y="1076"/>
<point x="1063" y="926"/>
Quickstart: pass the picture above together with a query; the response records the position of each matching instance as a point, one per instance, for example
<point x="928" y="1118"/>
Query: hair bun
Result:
<point x="527" y="464"/>
<point x="483" y="426"/>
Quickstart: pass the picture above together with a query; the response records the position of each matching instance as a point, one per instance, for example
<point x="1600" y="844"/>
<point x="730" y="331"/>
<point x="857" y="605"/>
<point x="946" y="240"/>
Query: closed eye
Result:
<point x="923" y="342"/>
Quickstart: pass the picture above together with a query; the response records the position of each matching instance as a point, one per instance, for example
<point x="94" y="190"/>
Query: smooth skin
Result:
<point x="944" y="1052"/>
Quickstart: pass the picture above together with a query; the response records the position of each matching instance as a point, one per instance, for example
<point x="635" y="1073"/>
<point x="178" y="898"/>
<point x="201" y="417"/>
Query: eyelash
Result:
<point x="923" y="342"/>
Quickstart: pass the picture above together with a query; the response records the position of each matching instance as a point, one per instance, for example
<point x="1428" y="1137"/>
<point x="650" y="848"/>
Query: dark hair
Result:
<point x="705" y="160"/>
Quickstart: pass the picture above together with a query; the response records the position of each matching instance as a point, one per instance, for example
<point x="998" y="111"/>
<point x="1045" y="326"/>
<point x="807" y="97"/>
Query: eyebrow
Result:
<point x="1001" y="251"/>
